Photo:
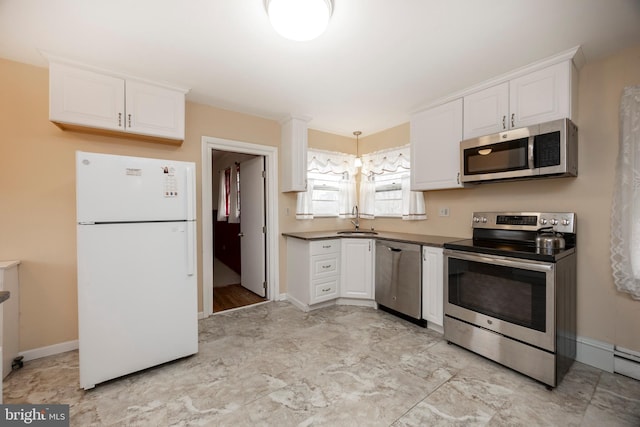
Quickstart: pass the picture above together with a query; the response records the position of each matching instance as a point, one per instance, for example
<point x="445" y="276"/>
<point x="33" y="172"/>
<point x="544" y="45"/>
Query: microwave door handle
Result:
<point x="530" y="154"/>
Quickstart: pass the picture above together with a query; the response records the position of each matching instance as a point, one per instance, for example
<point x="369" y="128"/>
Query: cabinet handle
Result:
<point x="326" y="266"/>
<point x="513" y="117"/>
<point x="129" y="120"/>
<point x="119" y="119"/>
<point x="326" y="290"/>
<point x="458" y="178"/>
<point x="326" y="247"/>
<point x="504" y="122"/>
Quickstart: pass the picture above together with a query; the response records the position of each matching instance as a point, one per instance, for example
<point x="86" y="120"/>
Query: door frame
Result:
<point x="272" y="259"/>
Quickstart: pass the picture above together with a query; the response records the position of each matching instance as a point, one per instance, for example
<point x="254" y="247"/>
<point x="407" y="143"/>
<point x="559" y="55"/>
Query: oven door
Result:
<point x="510" y="296"/>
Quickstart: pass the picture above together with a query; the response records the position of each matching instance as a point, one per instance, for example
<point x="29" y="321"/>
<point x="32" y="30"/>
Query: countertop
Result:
<point x="420" y="239"/>
<point x="4" y="295"/>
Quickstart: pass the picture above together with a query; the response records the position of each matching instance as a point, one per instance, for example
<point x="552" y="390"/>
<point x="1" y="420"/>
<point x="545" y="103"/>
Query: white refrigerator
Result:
<point x="136" y="248"/>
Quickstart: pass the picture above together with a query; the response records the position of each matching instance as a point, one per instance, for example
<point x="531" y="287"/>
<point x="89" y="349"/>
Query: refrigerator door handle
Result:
<point x="190" y="196"/>
<point x="191" y="267"/>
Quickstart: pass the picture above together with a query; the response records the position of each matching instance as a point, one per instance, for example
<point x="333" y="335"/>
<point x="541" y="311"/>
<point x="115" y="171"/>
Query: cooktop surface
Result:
<point x="513" y="249"/>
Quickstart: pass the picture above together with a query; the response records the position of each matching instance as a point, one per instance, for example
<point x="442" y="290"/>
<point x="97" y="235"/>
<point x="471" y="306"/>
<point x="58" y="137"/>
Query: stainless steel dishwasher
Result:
<point x="398" y="277"/>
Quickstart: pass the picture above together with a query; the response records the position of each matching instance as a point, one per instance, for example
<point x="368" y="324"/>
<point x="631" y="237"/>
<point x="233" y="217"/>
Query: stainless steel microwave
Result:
<point x="544" y="150"/>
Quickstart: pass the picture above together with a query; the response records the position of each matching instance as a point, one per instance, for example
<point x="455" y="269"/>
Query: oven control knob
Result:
<point x="484" y="219"/>
<point x="554" y="221"/>
<point x="566" y="221"/>
<point x="543" y="221"/>
<point x="476" y="219"/>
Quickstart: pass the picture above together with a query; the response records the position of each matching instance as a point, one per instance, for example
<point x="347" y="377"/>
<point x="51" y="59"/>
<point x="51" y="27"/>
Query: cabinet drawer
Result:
<point x="320" y="247"/>
<point x="323" y="290"/>
<point x="324" y="265"/>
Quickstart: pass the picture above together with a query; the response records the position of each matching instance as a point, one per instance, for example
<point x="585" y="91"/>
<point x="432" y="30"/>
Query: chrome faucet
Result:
<point x="356" y="223"/>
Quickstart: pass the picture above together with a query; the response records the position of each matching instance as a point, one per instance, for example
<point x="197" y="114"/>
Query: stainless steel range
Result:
<point x="510" y="291"/>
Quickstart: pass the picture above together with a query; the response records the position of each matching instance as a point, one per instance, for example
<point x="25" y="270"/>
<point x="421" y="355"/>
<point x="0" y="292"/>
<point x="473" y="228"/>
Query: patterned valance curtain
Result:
<point x="391" y="160"/>
<point x="329" y="162"/>
<point x="625" y="213"/>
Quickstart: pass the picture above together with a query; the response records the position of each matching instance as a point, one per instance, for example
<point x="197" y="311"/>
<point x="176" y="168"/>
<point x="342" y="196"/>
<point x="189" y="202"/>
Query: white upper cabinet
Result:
<point x="541" y="96"/>
<point x="435" y="147"/>
<point x="487" y="111"/>
<point x="536" y="97"/>
<point x="294" y="153"/>
<point x="91" y="99"/>
<point x="154" y="110"/>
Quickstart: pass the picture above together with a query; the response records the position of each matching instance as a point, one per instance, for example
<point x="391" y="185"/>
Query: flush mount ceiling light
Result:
<point x="299" y="20"/>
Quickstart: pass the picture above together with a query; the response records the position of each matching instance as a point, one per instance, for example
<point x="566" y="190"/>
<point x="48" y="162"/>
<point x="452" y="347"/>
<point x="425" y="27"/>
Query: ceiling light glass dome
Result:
<point x="299" y="20"/>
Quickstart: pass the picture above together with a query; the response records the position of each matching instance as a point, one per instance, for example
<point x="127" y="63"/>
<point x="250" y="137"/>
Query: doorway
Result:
<point x="239" y="253"/>
<point x="261" y="249"/>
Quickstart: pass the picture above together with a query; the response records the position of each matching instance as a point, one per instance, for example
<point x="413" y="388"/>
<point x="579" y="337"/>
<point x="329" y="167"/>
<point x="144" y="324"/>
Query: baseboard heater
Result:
<point x="626" y="362"/>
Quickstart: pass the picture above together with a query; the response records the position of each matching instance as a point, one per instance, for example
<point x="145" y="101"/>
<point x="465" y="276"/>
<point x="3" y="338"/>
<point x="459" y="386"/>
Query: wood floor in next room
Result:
<point x="233" y="296"/>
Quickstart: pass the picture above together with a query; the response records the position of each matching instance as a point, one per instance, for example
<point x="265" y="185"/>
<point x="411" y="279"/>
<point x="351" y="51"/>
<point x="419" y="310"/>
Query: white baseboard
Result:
<point x="594" y="353"/>
<point x="282" y="297"/>
<point x="49" y="350"/>
<point x="356" y="302"/>
<point x="201" y="315"/>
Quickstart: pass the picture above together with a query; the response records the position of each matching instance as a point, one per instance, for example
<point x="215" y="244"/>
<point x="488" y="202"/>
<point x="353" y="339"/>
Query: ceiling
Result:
<point x="378" y="61"/>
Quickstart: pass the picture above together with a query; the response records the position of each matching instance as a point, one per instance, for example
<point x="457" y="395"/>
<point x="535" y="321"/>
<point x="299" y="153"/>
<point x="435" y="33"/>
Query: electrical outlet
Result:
<point x="443" y="212"/>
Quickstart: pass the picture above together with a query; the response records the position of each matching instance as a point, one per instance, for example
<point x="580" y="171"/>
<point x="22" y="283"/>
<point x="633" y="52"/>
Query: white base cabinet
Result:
<point x="9" y="316"/>
<point x="432" y="287"/>
<point x="356" y="276"/>
<point x="85" y="98"/>
<point x="313" y="271"/>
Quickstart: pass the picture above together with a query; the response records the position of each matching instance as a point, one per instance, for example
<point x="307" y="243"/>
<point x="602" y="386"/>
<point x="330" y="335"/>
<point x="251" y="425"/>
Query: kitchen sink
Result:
<point x="357" y="232"/>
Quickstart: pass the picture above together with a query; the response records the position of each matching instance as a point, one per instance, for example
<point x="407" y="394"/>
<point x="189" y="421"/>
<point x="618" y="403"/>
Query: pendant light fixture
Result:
<point x="358" y="161"/>
<point x="299" y="20"/>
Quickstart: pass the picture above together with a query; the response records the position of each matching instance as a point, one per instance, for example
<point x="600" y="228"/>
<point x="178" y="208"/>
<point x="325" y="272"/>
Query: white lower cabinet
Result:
<point x="9" y="318"/>
<point x="356" y="277"/>
<point x="313" y="271"/>
<point x="432" y="286"/>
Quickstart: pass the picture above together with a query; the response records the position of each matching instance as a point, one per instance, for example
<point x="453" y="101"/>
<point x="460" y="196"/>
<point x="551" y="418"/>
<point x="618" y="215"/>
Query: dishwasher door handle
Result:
<point x="394" y="249"/>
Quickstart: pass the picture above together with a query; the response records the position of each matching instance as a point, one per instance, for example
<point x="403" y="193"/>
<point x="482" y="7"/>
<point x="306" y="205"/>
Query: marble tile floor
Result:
<point x="273" y="365"/>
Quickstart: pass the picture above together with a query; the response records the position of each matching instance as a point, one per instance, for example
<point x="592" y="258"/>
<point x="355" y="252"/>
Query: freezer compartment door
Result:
<point x="121" y="189"/>
<point x="137" y="299"/>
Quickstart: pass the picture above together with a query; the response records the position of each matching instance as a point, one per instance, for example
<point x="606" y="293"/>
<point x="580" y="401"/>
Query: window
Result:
<point x="388" y="193"/>
<point x="330" y="186"/>
<point x="325" y="193"/>
<point x="229" y="194"/>
<point x="385" y="186"/>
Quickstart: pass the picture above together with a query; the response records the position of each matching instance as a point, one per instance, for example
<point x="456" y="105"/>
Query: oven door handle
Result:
<point x="498" y="260"/>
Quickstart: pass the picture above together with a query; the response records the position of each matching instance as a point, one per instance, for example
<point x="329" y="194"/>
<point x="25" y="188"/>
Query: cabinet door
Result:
<point x="487" y="111"/>
<point x="357" y="269"/>
<point x="432" y="285"/>
<point x="294" y="154"/>
<point x="85" y="98"/>
<point x="154" y="110"/>
<point x="541" y="96"/>
<point x="435" y="147"/>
